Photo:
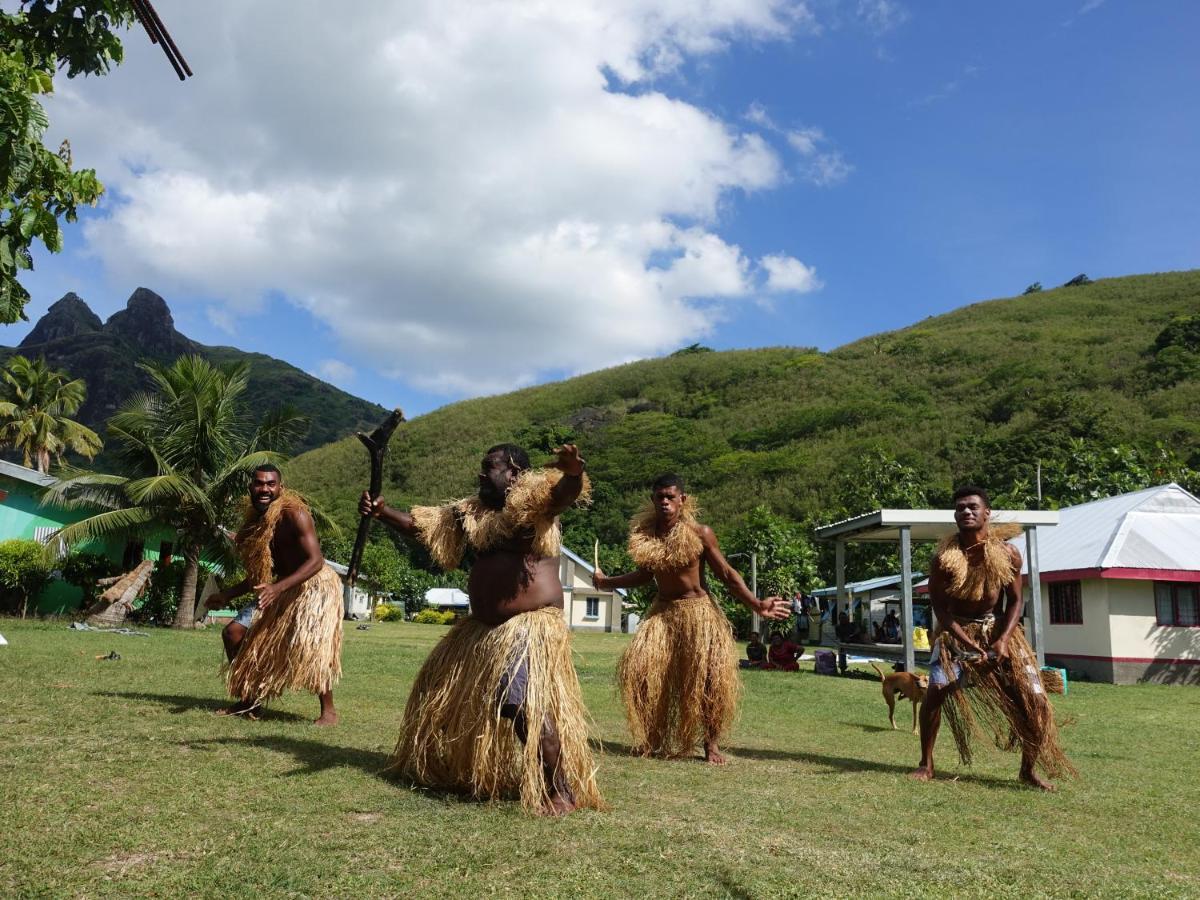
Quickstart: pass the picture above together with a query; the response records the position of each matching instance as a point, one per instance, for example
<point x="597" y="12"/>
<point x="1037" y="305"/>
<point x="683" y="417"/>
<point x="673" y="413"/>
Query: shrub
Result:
<point x="387" y="612"/>
<point x="434" y="617"/>
<point x="162" y="597"/>
<point x="24" y="570"/>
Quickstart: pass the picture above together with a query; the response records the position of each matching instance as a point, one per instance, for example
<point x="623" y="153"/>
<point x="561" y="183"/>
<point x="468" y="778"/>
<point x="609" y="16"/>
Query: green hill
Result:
<point x="1101" y="383"/>
<point x="105" y="355"/>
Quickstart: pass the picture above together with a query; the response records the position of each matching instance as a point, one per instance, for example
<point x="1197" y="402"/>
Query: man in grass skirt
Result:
<point x="983" y="673"/>
<point x="290" y="636"/>
<point x="679" y="676"/>
<point x="496" y="709"/>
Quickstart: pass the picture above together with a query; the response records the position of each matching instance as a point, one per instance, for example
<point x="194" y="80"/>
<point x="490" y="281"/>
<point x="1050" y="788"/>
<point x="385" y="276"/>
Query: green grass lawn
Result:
<point x="115" y="779"/>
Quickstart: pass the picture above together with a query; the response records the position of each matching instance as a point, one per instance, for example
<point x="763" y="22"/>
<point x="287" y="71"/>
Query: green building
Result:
<point x="23" y="517"/>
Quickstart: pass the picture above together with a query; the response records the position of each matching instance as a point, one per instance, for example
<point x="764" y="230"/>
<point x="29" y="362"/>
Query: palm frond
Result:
<point x="102" y="525"/>
<point x="160" y="489"/>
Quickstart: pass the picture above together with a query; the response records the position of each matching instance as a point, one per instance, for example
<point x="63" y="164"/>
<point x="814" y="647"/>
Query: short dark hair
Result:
<point x="513" y="452"/>
<point x="972" y="490"/>
<point x="666" y="480"/>
<point x="269" y="467"/>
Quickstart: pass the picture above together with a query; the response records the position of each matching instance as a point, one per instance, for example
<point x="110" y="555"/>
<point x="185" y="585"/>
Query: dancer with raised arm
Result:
<point x="679" y="676"/>
<point x="496" y="709"/>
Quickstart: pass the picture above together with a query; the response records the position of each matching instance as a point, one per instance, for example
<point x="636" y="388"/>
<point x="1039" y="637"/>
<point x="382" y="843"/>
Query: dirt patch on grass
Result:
<point x="365" y="818"/>
<point x="120" y="863"/>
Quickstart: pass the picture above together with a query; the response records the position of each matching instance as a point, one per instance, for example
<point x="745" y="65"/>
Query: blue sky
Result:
<point x="765" y="174"/>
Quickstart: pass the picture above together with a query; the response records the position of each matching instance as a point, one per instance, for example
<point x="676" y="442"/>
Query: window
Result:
<point x="43" y="533"/>
<point x="592" y="608"/>
<point x="1066" y="603"/>
<point x="1177" y="604"/>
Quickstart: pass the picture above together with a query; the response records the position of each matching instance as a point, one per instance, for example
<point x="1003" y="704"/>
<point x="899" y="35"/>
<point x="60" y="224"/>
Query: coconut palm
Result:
<point x="187" y="451"/>
<point x="36" y="402"/>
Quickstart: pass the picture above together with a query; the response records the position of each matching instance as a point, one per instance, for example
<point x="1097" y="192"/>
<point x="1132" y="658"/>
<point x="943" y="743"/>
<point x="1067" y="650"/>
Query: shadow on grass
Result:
<point x="872" y="729"/>
<point x="182" y="703"/>
<point x="312" y="756"/>
<point x="616" y="748"/>
<point x="851" y="764"/>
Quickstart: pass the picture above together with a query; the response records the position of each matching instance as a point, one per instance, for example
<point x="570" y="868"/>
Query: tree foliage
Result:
<point x="37" y="40"/>
<point x="786" y="559"/>
<point x="188" y="451"/>
<point x="35" y="404"/>
<point x="24" y="570"/>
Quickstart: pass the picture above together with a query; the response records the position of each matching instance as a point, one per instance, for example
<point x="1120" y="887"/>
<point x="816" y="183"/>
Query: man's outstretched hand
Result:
<point x="568" y="460"/>
<point x="775" y="608"/>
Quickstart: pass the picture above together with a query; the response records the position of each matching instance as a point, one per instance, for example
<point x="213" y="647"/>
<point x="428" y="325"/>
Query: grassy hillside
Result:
<point x="981" y="393"/>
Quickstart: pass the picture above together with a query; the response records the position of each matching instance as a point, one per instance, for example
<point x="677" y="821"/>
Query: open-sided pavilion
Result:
<point x="904" y="526"/>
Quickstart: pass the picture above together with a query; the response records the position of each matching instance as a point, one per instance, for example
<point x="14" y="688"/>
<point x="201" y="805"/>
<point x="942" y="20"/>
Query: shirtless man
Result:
<point x="678" y="677"/>
<point x="515" y="641"/>
<point x="982" y="647"/>
<point x="287" y="572"/>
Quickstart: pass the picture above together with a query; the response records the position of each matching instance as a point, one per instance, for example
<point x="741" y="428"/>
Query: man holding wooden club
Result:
<point x="510" y="659"/>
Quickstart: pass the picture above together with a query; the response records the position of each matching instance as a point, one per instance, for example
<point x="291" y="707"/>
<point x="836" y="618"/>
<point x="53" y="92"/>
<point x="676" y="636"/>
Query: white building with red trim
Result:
<point x="1121" y="587"/>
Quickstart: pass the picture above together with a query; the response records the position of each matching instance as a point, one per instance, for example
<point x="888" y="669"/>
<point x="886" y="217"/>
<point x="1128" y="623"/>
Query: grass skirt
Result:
<point x="679" y="678"/>
<point x="453" y="736"/>
<point x="294" y="644"/>
<point x="1005" y="702"/>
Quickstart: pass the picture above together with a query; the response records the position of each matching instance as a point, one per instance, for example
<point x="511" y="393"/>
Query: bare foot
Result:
<point x="326" y="719"/>
<point x="559" y="805"/>
<point x="922" y="773"/>
<point x="246" y="708"/>
<point x="1034" y="780"/>
<point x="713" y="756"/>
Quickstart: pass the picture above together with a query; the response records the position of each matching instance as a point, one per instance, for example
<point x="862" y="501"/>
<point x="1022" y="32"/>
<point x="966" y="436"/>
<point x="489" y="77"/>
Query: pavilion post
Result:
<point x="839" y="558"/>
<point x="755" y="618"/>
<point x="906" y="597"/>
<point x="1035" y="594"/>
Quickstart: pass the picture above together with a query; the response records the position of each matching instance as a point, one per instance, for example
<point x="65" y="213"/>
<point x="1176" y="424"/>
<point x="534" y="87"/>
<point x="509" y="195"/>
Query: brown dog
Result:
<point x="905" y="683"/>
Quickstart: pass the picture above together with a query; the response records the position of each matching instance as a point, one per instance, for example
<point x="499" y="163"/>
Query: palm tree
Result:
<point x="188" y="452"/>
<point x="35" y="403"/>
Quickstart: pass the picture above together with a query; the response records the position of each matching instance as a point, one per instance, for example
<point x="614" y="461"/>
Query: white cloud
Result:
<point x="335" y="371"/>
<point x="821" y="165"/>
<point x="455" y="183"/>
<point x="948" y="88"/>
<point x="882" y="16"/>
<point x="785" y="274"/>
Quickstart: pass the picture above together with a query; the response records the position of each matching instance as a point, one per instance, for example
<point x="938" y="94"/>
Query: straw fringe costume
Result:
<point x="453" y="736"/>
<point x="296" y="642"/>
<point x="678" y="678"/>
<point x="1005" y="701"/>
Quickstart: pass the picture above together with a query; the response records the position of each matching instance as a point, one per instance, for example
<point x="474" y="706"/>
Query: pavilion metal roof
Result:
<point x="884" y="525"/>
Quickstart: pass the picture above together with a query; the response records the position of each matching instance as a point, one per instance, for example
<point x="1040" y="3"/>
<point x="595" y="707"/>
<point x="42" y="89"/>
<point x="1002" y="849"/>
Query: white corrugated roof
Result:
<point x="858" y="587"/>
<point x="446" y="597"/>
<point x="1155" y="528"/>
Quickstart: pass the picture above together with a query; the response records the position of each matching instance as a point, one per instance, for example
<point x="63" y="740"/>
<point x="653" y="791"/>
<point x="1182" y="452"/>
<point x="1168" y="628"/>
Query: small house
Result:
<point x="1121" y="587"/>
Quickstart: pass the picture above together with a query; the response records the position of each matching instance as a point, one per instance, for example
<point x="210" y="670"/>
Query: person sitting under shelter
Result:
<point x="783" y="654"/>
<point x="756" y="653"/>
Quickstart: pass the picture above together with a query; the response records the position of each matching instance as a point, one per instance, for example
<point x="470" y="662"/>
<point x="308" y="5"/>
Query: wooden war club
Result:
<point x="376" y="443"/>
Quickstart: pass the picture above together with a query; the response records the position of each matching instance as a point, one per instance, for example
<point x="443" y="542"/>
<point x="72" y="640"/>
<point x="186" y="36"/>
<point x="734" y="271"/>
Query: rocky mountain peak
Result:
<point x="66" y="318"/>
<point x="147" y="323"/>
